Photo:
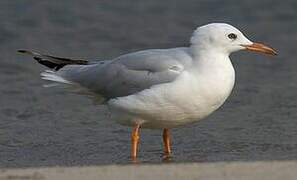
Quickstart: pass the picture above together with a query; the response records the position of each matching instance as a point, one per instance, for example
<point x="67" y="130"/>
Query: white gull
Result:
<point x="159" y="88"/>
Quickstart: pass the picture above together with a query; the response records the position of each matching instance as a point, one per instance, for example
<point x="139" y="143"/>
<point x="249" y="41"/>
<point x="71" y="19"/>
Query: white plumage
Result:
<point x="159" y="88"/>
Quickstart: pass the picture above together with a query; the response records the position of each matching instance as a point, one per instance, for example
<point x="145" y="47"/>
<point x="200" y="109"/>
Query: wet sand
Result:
<point x="256" y="170"/>
<point x="48" y="127"/>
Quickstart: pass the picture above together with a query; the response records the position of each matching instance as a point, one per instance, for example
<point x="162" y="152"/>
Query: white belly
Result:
<point x="186" y="100"/>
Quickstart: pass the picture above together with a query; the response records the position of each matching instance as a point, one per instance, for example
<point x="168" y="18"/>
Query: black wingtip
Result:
<point x="22" y="51"/>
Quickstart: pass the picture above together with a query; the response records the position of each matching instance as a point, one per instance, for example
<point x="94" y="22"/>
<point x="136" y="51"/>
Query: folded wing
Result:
<point x="127" y="74"/>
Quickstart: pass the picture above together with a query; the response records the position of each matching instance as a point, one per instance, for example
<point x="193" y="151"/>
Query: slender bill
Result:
<point x="260" y="48"/>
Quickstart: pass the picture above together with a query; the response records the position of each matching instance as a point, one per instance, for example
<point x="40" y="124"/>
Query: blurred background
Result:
<point x="49" y="127"/>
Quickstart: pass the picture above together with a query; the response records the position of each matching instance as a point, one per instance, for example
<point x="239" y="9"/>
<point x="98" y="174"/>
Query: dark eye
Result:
<point x="232" y="36"/>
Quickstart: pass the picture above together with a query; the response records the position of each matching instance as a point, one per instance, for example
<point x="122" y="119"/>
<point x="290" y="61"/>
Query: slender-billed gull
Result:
<point x="158" y="88"/>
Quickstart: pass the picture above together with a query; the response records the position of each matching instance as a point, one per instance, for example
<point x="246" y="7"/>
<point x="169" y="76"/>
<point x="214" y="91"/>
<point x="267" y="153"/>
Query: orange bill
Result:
<point x="259" y="47"/>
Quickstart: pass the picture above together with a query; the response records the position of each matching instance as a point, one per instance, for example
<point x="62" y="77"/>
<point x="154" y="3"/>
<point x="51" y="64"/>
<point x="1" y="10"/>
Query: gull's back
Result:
<point x="126" y="74"/>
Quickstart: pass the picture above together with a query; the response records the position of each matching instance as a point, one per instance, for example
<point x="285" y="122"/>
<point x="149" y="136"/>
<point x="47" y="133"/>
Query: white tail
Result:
<point x="53" y="76"/>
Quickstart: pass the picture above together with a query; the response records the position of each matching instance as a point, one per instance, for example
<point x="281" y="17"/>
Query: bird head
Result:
<point x="225" y="38"/>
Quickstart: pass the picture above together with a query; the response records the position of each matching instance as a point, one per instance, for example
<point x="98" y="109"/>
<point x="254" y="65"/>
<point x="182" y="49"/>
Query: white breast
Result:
<point x="192" y="96"/>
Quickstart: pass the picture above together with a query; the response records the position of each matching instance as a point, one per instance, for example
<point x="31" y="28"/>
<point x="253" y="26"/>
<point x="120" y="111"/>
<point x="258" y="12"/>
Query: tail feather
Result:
<point x="56" y="78"/>
<point x="53" y="62"/>
<point x="69" y="86"/>
<point x="53" y="76"/>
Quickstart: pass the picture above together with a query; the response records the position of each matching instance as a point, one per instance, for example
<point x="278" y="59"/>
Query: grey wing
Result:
<point x="129" y="73"/>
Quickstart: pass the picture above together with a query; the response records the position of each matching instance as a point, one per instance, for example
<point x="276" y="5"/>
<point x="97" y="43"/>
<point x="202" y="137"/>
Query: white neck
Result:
<point x="213" y="68"/>
<point x="208" y="59"/>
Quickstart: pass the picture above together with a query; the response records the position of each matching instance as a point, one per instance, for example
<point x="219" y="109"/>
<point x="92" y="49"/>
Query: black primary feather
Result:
<point x="53" y="62"/>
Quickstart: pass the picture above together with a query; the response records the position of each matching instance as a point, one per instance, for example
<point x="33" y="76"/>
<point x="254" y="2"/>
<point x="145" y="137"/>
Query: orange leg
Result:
<point x="134" y="141"/>
<point x="166" y="141"/>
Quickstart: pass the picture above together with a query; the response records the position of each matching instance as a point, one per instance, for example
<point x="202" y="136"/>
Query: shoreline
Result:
<point x="219" y="170"/>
